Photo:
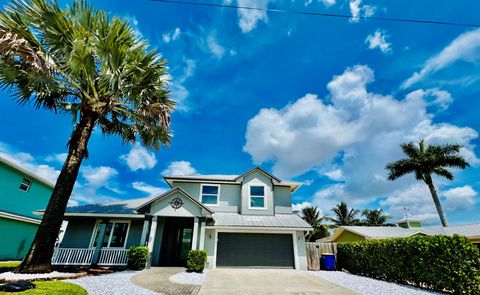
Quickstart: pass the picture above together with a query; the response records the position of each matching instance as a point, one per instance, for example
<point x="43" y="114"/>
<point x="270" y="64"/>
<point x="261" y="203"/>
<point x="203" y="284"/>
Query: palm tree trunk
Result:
<point x="38" y="259"/>
<point x="436" y="201"/>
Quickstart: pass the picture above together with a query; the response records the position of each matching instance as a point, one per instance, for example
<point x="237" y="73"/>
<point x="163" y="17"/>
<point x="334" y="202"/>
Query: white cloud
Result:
<point x="329" y="3"/>
<point x="58" y="158"/>
<point x="214" y="47"/>
<point x="379" y="40"/>
<point x="139" y="158"/>
<point x="179" y="168"/>
<point x="98" y="177"/>
<point x="299" y="207"/>
<point x="358" y="10"/>
<point x="179" y="91"/>
<point x="438" y="98"/>
<point x="150" y="189"/>
<point x="459" y="198"/>
<point x="336" y="174"/>
<point x="465" y="47"/>
<point x="171" y="36"/>
<point x="354" y="128"/>
<point x="249" y="18"/>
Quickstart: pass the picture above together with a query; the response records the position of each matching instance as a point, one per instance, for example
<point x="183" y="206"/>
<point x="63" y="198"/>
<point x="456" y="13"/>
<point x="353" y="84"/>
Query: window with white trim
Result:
<point x="257" y="196"/>
<point x="25" y="185"/>
<point x="115" y="234"/>
<point x="209" y="194"/>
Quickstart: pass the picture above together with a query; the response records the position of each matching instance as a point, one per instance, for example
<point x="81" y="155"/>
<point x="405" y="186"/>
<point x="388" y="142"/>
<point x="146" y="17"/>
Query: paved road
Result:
<point x="267" y="281"/>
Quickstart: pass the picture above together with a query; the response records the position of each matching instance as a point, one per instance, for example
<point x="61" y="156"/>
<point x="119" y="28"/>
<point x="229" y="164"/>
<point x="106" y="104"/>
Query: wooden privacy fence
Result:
<point x="314" y="253"/>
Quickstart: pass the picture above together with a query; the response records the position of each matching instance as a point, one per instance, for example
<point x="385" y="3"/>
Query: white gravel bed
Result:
<point x="368" y="286"/>
<point x="117" y="283"/>
<point x="189" y="278"/>
<point x="10" y="276"/>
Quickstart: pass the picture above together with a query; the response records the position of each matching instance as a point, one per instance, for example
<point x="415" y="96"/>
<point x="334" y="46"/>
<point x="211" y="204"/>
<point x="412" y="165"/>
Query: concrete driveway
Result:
<point x="267" y="281"/>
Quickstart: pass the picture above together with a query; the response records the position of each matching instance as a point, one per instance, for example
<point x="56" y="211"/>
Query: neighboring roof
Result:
<point x="26" y="172"/>
<point x="229" y="179"/>
<point x="18" y="217"/>
<point x="382" y="232"/>
<point x="170" y="192"/>
<point x="280" y="221"/>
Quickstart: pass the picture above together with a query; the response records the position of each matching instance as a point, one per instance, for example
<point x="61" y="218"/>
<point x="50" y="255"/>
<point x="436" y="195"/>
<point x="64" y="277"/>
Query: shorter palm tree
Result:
<point x="426" y="160"/>
<point x="344" y="216"/>
<point x="375" y="217"/>
<point x="312" y="216"/>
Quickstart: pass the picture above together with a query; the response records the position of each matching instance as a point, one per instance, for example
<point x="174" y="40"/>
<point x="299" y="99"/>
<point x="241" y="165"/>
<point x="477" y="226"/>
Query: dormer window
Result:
<point x="25" y="185"/>
<point x="257" y="197"/>
<point x="209" y="194"/>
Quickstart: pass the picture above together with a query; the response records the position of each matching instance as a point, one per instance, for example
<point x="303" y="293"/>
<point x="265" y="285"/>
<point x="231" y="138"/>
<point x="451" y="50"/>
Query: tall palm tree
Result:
<point x="426" y="160"/>
<point x="82" y="62"/>
<point x="344" y="216"/>
<point x="375" y="217"/>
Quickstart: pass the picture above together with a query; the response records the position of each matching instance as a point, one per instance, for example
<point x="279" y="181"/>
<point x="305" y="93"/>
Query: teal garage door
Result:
<point x="255" y="250"/>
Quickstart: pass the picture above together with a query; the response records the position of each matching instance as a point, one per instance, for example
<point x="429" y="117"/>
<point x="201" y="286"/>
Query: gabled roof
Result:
<point x="234" y="179"/>
<point x="116" y="207"/>
<point x="258" y="169"/>
<point x="26" y="172"/>
<point x="169" y="193"/>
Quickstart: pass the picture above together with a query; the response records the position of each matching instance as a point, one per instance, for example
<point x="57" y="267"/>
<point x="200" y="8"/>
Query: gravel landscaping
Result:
<point x="10" y="276"/>
<point x="364" y="285"/>
<point x="189" y="278"/>
<point x="112" y="284"/>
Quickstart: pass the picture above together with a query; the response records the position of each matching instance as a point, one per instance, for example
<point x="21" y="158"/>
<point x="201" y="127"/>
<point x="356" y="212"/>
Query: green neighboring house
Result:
<point x="21" y="193"/>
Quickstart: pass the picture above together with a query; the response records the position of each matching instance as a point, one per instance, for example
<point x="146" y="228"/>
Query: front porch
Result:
<point x="170" y="226"/>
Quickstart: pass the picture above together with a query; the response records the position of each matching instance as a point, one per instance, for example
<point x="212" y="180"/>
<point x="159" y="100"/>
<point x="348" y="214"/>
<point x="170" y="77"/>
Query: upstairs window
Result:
<point x="209" y="194"/>
<point x="257" y="197"/>
<point x="25" y="185"/>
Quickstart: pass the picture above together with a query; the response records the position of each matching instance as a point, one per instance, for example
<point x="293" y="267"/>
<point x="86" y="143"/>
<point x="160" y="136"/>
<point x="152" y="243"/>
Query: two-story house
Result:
<point x="21" y="193"/>
<point x="241" y="220"/>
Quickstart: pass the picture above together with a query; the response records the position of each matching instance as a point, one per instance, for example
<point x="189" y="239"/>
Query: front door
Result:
<point x="176" y="241"/>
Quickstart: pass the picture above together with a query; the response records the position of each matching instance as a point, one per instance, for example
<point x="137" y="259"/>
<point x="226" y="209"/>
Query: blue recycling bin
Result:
<point x="328" y="261"/>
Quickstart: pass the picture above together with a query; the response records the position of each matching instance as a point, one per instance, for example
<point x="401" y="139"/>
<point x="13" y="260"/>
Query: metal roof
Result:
<point x="14" y="165"/>
<point x="229" y="178"/>
<point x="117" y="207"/>
<point x="234" y="219"/>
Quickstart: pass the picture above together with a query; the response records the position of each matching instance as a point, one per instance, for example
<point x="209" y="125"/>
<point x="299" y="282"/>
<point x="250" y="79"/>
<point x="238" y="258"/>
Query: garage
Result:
<point x="255" y="250"/>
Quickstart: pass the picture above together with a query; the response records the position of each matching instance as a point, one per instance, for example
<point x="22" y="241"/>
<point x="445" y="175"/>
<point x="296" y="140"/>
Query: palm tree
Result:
<point x="425" y="160"/>
<point x="375" y="218"/>
<point x="312" y="216"/>
<point x="344" y="216"/>
<point x="82" y="62"/>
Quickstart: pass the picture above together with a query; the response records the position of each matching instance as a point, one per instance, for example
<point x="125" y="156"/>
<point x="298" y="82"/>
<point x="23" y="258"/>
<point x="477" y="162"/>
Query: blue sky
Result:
<point x="320" y="100"/>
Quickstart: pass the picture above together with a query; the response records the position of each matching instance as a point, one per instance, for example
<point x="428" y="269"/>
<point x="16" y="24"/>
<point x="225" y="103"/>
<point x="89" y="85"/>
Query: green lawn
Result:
<point x="53" y="288"/>
<point x="8" y="265"/>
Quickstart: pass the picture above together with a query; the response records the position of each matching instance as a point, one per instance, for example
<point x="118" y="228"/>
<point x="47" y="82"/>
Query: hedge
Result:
<point x="137" y="257"/>
<point x="196" y="260"/>
<point x="440" y="262"/>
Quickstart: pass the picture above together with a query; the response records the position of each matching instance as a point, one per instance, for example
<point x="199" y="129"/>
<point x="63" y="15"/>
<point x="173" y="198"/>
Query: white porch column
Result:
<point x="202" y="235"/>
<point x="143" y="239"/>
<point x="195" y="233"/>
<point x="151" y="236"/>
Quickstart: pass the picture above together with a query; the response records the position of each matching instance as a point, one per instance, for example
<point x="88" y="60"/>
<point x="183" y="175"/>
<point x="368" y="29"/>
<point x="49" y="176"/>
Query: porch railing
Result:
<point x="85" y="256"/>
<point x="113" y="257"/>
<point x="72" y="256"/>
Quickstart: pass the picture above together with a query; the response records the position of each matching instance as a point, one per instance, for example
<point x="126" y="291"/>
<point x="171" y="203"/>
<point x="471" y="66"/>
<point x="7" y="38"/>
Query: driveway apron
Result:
<point x="267" y="281"/>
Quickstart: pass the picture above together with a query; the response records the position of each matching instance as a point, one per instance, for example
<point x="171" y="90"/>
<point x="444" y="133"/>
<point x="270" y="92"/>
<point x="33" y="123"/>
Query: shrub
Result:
<point x="440" y="262"/>
<point x="137" y="257"/>
<point x="196" y="260"/>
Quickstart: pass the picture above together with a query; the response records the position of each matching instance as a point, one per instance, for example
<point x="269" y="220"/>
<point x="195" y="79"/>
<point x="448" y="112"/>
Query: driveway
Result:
<point x="267" y="281"/>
